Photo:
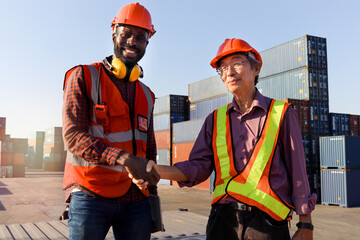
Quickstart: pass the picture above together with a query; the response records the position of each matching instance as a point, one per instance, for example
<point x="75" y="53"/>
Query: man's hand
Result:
<point x="303" y="234"/>
<point x="136" y="167"/>
<point x="150" y="166"/>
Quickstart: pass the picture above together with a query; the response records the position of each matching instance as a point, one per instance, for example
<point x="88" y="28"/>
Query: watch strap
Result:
<point x="305" y="225"/>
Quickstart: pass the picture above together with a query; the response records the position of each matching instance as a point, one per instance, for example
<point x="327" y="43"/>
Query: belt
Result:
<point x="236" y="206"/>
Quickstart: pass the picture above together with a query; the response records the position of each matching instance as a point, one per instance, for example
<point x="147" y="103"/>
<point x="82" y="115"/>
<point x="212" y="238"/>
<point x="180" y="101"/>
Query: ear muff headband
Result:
<point x="120" y="70"/>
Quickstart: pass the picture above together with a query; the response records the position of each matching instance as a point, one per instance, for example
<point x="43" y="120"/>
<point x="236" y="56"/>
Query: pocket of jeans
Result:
<point x="80" y="195"/>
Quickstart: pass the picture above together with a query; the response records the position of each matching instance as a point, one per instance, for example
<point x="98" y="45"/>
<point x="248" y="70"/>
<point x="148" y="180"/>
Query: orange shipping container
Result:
<point x="2" y="134"/>
<point x="163" y="139"/>
<point x="19" y="159"/>
<point x="6" y="159"/>
<point x="19" y="170"/>
<point x="54" y="166"/>
<point x="181" y="152"/>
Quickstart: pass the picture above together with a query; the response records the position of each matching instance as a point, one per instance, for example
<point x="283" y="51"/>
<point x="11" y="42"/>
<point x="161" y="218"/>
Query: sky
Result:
<point x="41" y="40"/>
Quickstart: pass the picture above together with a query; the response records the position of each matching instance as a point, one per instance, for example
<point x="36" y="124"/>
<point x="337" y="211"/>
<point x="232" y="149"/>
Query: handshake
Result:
<point x="143" y="173"/>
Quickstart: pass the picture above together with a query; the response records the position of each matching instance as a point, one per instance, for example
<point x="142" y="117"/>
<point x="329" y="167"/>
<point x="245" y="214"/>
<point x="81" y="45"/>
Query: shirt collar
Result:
<point x="259" y="101"/>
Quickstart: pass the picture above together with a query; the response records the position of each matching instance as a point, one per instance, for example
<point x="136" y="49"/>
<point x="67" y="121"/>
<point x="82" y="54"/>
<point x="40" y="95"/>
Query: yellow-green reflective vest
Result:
<point x="251" y="186"/>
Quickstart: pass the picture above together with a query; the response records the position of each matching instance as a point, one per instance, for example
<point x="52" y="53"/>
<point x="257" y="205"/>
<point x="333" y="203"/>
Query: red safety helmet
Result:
<point x="136" y="15"/>
<point x="231" y="46"/>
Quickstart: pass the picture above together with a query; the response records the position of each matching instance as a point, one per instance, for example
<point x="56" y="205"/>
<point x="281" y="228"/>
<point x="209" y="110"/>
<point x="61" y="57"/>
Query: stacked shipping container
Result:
<point x="36" y="150"/>
<point x="54" y="153"/>
<point x="6" y="157"/>
<point x="184" y="136"/>
<point x="340" y="170"/>
<point x="207" y="95"/>
<point x="20" y="149"/>
<point x="298" y="70"/>
<point x="168" y="110"/>
<point x="2" y="128"/>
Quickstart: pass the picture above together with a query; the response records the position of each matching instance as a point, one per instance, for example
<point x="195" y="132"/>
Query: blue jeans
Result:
<point x="91" y="218"/>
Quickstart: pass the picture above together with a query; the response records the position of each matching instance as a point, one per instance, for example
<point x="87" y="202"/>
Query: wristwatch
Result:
<point x="305" y="225"/>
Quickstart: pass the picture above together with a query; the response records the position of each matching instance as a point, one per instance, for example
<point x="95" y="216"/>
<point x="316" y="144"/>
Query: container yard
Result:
<point x="295" y="72"/>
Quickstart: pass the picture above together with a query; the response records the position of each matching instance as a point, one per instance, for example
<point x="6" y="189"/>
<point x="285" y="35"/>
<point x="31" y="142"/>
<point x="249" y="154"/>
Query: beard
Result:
<point x="130" y="62"/>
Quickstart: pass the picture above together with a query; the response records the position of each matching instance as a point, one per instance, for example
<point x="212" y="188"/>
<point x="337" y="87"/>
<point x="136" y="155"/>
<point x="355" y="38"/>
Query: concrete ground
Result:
<point x="39" y="197"/>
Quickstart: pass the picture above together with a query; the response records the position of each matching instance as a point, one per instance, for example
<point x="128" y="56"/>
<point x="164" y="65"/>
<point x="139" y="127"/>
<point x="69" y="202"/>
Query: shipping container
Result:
<point x="6" y="171"/>
<point x="302" y="109"/>
<point x="164" y="122"/>
<point x="54" y="166"/>
<point x="2" y="122"/>
<point x="202" y="109"/>
<point x="19" y="159"/>
<point x="163" y="157"/>
<point x="53" y="131"/>
<point x="340" y="151"/>
<point x="301" y="83"/>
<point x="315" y="152"/>
<point x="54" y="139"/>
<point x="163" y="139"/>
<point x="340" y="124"/>
<point x="307" y="149"/>
<point x="19" y="170"/>
<point x="315" y="182"/>
<point x="319" y="118"/>
<point x="187" y="131"/>
<point x="171" y="104"/>
<point x="305" y="51"/>
<point x="340" y="187"/>
<point x="181" y="152"/>
<point x="53" y="148"/>
<point x="207" y="88"/>
<point x="20" y="145"/>
<point x="38" y="135"/>
<point x="354" y="125"/>
<point x="6" y="159"/>
<point x="54" y="157"/>
<point x="2" y="134"/>
<point x="6" y="146"/>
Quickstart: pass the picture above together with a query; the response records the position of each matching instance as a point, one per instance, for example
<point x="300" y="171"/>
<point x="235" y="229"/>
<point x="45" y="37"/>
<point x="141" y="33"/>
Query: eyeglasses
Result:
<point x="225" y="69"/>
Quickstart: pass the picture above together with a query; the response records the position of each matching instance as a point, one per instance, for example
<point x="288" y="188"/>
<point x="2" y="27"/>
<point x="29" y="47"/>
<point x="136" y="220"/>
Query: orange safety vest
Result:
<point x="104" y="180"/>
<point x="250" y="186"/>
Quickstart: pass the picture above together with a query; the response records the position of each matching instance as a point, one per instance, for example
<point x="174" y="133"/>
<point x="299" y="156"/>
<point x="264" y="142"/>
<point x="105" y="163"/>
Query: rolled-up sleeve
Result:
<point x="201" y="159"/>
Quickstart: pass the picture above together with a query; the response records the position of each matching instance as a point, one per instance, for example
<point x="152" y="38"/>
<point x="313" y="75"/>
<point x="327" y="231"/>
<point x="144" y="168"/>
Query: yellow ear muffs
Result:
<point x="120" y="70"/>
<point x="135" y="73"/>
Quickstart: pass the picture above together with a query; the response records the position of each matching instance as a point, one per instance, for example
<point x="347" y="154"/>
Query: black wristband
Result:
<point x="305" y="225"/>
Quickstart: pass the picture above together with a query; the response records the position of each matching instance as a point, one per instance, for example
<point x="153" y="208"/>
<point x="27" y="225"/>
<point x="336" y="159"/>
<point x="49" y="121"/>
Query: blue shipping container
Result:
<point x="340" y="187"/>
<point x="339" y="124"/>
<point x="319" y="118"/>
<point x="340" y="152"/>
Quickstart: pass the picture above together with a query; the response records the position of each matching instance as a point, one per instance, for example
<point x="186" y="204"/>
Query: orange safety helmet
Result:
<point x="231" y="46"/>
<point x="136" y="15"/>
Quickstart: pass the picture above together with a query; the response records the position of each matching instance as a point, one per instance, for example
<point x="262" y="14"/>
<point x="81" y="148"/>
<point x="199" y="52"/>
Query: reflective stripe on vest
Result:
<point x="251" y="186"/>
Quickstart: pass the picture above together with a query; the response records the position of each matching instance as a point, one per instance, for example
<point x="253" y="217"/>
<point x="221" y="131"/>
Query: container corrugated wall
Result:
<point x="202" y="109"/>
<point x="340" y="151"/>
<point x="340" y="187"/>
<point x="2" y="128"/>
<point x="354" y="125"/>
<point x="339" y="124"/>
<point x="206" y="88"/>
<point x="187" y="131"/>
<point x="305" y="51"/>
<point x="303" y="84"/>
